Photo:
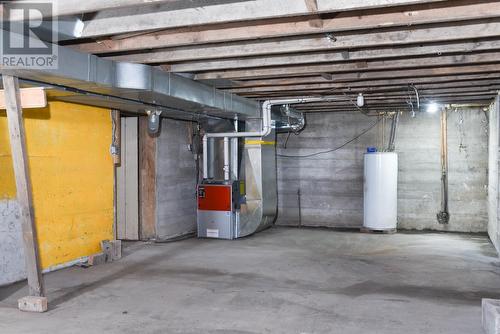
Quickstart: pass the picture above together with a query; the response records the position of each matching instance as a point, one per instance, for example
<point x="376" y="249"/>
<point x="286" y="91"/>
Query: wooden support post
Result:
<point x="147" y="181"/>
<point x="24" y="195"/>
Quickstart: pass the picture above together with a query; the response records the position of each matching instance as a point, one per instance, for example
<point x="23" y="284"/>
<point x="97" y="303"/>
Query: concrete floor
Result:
<point x="279" y="281"/>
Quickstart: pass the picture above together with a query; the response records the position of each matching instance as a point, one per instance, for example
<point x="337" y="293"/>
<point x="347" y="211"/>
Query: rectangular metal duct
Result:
<point x="138" y="87"/>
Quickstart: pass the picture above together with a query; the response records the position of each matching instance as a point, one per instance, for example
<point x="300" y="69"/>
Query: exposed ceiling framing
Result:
<point x="448" y="50"/>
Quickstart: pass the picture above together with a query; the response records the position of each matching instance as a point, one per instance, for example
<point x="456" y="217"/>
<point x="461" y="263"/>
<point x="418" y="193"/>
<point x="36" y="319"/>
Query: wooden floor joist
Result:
<point x="288" y="48"/>
<point x="298" y="26"/>
<point x="343" y="41"/>
<point x="167" y="16"/>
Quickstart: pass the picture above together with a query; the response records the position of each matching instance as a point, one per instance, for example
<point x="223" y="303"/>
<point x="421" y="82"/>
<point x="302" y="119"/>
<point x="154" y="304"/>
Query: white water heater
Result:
<point x="380" y="191"/>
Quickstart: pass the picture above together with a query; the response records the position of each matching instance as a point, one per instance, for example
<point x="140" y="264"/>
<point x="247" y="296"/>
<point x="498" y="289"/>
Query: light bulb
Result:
<point x="432" y="107"/>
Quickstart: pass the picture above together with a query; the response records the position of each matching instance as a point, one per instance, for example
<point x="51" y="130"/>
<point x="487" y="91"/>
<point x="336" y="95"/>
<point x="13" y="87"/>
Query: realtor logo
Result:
<point x="28" y="36"/>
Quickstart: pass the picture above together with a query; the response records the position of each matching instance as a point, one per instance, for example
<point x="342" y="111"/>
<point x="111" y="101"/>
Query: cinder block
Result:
<point x="112" y="249"/>
<point x="96" y="259"/>
<point x="491" y="316"/>
<point x="33" y="304"/>
<point x="117" y="250"/>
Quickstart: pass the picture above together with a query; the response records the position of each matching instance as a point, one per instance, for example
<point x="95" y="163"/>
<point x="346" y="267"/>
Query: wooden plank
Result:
<point x="311" y="5"/>
<point x="281" y="83"/>
<point x="452" y="81"/>
<point x="392" y="74"/>
<point x="33" y="97"/>
<point x="393" y="37"/>
<point x="356" y="66"/>
<point x="315" y="20"/>
<point x="297" y="26"/>
<point x="128" y="182"/>
<point x="163" y="17"/>
<point x="23" y="184"/>
<point x="317" y="59"/>
<point x="121" y="217"/>
<point x="147" y="181"/>
<point x="402" y="90"/>
<point x="132" y="179"/>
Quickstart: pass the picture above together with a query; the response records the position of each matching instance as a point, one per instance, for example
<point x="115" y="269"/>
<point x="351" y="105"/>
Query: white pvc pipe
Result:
<point x="234" y="153"/>
<point x="266" y="126"/>
<point x="226" y="159"/>
<point x="205" y="157"/>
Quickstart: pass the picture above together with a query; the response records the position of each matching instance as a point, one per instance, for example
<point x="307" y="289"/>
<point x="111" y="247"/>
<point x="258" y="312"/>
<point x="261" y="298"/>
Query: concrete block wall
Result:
<point x="175" y="182"/>
<point x="331" y="185"/>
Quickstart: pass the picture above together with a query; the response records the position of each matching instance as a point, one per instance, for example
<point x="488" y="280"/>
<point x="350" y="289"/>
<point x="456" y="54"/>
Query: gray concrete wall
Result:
<point x="331" y="185"/>
<point x="493" y="200"/>
<point x="12" y="267"/>
<point x="175" y="183"/>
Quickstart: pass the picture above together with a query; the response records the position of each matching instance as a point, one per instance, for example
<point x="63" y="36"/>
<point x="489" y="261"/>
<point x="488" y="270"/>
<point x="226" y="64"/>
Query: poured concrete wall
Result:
<point x="12" y="267"/>
<point x="331" y="185"/>
<point x="175" y="182"/>
<point x="493" y="199"/>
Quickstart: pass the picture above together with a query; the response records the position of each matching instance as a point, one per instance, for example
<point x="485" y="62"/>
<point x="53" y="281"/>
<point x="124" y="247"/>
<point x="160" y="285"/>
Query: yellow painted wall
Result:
<point x="72" y="176"/>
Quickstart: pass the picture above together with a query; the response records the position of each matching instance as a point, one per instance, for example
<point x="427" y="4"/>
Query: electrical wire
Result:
<point x="333" y="149"/>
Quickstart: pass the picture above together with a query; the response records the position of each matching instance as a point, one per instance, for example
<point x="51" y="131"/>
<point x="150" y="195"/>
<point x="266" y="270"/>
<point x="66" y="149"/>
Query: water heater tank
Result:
<point x="380" y="191"/>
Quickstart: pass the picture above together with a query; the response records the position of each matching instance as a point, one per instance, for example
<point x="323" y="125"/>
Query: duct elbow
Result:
<point x="266" y="118"/>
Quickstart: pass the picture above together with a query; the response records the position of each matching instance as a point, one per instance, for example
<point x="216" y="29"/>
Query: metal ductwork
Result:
<point x="245" y="200"/>
<point x="88" y="79"/>
<point x="287" y="119"/>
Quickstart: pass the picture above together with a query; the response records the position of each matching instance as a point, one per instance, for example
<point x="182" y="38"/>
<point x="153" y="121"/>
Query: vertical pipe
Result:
<point x="443" y="216"/>
<point x="116" y="136"/>
<point x="211" y="157"/>
<point x="392" y="138"/>
<point x="299" y="200"/>
<point x="226" y="159"/>
<point x="205" y="157"/>
<point x="234" y="153"/>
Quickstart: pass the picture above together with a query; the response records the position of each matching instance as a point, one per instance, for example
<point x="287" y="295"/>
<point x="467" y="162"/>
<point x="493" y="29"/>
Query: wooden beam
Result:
<point x="368" y="65"/>
<point x="402" y="100"/>
<point x="453" y="81"/>
<point x="147" y="181"/>
<point x="319" y="58"/>
<point x="429" y="93"/>
<point x="402" y="89"/>
<point x="280" y="83"/>
<point x="33" y="97"/>
<point x="386" y="100"/>
<point x="163" y="17"/>
<point x="434" y="34"/>
<point x="23" y="184"/>
<point x="381" y="18"/>
<point x="312" y="6"/>
<point x="393" y="74"/>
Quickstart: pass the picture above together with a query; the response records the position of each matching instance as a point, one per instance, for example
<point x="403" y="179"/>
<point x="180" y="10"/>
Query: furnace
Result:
<point x="218" y="205"/>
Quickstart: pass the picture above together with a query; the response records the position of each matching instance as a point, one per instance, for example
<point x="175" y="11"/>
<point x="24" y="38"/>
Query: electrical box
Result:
<point x="218" y="204"/>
